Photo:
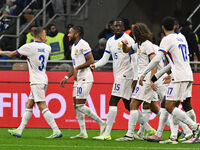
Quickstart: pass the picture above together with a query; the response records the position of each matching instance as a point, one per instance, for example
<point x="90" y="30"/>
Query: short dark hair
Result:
<point x="79" y="29"/>
<point x="37" y="31"/>
<point x="50" y="25"/>
<point x="119" y="19"/>
<point x="168" y="23"/>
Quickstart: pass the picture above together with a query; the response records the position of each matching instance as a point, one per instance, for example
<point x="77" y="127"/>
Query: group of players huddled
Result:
<point x="143" y="73"/>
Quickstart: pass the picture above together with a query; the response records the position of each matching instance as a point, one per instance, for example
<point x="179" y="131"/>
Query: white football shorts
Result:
<point x="81" y="89"/>
<point x="122" y="88"/>
<point x="144" y="93"/>
<point x="177" y="91"/>
<point x="38" y="92"/>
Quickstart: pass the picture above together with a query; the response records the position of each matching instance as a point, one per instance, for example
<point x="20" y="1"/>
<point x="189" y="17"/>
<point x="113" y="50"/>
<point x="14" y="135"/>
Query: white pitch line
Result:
<point x="96" y="147"/>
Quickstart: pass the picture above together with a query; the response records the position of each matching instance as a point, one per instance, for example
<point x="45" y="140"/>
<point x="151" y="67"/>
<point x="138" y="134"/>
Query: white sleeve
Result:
<point x="103" y="60"/>
<point x="24" y="50"/>
<point x="154" y="62"/>
<point x="86" y="49"/>
<point x="135" y="66"/>
<point x="163" y="71"/>
<point x="164" y="45"/>
<point x="149" y="48"/>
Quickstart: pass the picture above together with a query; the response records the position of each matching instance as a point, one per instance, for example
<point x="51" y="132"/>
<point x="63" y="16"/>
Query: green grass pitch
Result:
<point x="34" y="139"/>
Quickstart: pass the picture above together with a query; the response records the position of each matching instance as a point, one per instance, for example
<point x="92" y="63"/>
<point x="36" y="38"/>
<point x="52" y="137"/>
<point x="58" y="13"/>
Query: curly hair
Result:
<point x="142" y="33"/>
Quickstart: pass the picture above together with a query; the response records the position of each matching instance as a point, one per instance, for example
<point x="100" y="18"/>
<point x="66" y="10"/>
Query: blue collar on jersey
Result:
<point x="119" y="37"/>
<point x="38" y="41"/>
<point x="173" y="33"/>
<point x="77" y="42"/>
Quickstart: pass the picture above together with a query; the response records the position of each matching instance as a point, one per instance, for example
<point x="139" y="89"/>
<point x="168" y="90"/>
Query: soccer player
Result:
<point x="173" y="122"/>
<point x="123" y="76"/>
<point x="37" y="54"/>
<point x="176" y="49"/>
<point x="146" y="53"/>
<point x="82" y="59"/>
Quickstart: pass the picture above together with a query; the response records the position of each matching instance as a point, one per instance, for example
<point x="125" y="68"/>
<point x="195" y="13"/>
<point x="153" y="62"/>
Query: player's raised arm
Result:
<point x="9" y="54"/>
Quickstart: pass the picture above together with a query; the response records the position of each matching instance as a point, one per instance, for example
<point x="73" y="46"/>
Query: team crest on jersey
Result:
<point x="75" y="51"/>
<point x="119" y="45"/>
<point x="139" y="51"/>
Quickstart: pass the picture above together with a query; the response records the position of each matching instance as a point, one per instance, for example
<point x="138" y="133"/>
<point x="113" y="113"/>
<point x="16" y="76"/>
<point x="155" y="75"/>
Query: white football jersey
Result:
<point x="144" y="51"/>
<point x="37" y="56"/>
<point x="176" y="48"/>
<point x="121" y="61"/>
<point x="78" y="53"/>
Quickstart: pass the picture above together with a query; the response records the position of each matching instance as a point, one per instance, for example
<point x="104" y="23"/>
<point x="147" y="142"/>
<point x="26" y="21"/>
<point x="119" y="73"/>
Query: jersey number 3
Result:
<point x="42" y="59"/>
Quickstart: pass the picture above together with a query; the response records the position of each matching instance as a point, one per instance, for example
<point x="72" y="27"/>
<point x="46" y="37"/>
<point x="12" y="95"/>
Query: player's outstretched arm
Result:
<point x="64" y="80"/>
<point x="9" y="54"/>
<point x="151" y="65"/>
<point x="102" y="61"/>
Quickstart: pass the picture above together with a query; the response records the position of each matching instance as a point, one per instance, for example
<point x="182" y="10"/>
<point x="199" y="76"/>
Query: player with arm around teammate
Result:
<point x="37" y="54"/>
<point x="146" y="53"/>
<point x="82" y="58"/>
<point x="176" y="49"/>
<point x="123" y="75"/>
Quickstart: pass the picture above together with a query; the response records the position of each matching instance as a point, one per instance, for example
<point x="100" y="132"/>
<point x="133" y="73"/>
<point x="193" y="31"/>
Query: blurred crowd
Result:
<point x="59" y="42"/>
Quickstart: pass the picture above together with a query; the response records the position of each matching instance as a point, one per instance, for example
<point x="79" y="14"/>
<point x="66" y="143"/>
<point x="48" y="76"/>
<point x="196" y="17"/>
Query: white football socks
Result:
<point x="181" y="115"/>
<point x="81" y="121"/>
<point x="26" y="116"/>
<point x="134" y="114"/>
<point x="173" y="127"/>
<point x="162" y="121"/>
<point x="191" y="114"/>
<point x="143" y="122"/>
<point x="110" y="119"/>
<point x="146" y="113"/>
<point x="87" y="111"/>
<point x="50" y="120"/>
